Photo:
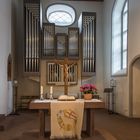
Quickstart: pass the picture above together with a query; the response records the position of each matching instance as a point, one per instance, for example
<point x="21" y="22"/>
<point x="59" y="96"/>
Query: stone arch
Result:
<point x="131" y="86"/>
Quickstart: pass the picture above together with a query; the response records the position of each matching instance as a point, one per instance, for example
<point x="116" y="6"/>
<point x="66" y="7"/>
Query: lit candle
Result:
<point x="51" y="90"/>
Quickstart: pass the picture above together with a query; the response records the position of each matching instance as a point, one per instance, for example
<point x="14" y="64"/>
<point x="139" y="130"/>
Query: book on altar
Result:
<point x="66" y="98"/>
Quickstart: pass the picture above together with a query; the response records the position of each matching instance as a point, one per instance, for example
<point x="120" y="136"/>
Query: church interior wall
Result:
<point x="5" y="50"/>
<point x="122" y="91"/>
<point x="103" y="76"/>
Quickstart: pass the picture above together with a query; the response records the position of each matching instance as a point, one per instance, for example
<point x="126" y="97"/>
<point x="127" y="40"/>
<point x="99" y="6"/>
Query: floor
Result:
<point x="108" y="127"/>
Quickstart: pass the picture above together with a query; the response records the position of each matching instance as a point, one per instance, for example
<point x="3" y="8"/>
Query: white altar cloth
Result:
<point x="66" y="119"/>
<point x="54" y="100"/>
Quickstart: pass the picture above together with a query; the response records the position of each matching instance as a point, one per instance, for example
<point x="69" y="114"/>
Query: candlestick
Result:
<point x="51" y="90"/>
<point x="41" y="97"/>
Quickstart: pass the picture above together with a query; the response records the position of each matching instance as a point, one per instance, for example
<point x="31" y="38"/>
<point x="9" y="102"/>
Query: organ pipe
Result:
<point x="32" y="35"/>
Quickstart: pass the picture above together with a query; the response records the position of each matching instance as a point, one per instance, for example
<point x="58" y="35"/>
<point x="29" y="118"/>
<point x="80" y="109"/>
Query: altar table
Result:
<point x="89" y="106"/>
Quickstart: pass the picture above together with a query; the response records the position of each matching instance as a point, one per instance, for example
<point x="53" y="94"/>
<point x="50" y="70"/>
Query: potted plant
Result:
<point x="88" y="90"/>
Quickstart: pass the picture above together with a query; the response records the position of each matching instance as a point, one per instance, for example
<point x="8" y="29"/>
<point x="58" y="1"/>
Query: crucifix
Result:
<point x="66" y="65"/>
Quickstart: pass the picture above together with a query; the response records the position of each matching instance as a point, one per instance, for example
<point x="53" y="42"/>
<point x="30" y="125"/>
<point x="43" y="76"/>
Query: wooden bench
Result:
<point x="25" y="100"/>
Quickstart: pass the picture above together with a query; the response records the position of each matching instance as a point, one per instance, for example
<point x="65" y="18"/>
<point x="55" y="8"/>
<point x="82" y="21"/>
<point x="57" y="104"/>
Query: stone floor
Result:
<point x="107" y="127"/>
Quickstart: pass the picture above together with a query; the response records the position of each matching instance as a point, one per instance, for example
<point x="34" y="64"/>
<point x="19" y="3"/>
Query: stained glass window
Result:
<point x="60" y="14"/>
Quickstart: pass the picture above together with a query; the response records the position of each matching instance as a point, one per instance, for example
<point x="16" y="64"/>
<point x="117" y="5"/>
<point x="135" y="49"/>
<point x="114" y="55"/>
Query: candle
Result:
<point x="41" y="93"/>
<point x="51" y="90"/>
<point x="41" y="90"/>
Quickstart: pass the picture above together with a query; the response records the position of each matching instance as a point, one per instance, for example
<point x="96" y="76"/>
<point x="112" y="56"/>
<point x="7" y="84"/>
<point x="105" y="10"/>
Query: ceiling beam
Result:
<point x="86" y="0"/>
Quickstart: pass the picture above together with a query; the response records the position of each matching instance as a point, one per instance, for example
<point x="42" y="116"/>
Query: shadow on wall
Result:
<point x="9" y="68"/>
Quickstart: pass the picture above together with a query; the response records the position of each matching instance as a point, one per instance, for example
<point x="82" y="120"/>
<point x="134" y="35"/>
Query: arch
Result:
<point x="131" y="84"/>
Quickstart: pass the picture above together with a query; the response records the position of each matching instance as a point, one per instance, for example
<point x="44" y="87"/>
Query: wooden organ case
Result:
<point x="45" y="51"/>
<point x="56" y="47"/>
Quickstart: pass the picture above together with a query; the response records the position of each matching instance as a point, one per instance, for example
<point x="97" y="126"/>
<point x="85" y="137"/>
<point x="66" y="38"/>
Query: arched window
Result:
<point x="119" y="37"/>
<point x="60" y="14"/>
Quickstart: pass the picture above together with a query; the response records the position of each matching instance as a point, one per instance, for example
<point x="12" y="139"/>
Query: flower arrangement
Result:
<point x="88" y="88"/>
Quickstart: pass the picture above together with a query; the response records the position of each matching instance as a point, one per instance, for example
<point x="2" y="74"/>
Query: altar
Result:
<point x="89" y="106"/>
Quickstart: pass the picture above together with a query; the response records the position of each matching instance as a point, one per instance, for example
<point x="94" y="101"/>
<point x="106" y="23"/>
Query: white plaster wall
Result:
<point x="108" y="4"/>
<point x="107" y="44"/>
<point x="84" y="6"/>
<point x="122" y="89"/>
<point x="5" y="49"/>
<point x="133" y="44"/>
<point x="136" y="88"/>
<point x="122" y="95"/>
<point x="10" y="97"/>
<point x="134" y="29"/>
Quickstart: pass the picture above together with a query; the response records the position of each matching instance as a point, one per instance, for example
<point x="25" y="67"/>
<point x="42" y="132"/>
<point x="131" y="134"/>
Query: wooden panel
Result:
<point x="42" y="123"/>
<point x="90" y="122"/>
<point x="94" y="104"/>
<point x="33" y="105"/>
